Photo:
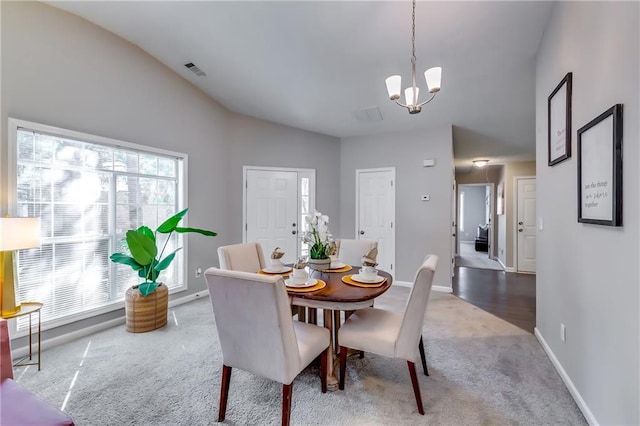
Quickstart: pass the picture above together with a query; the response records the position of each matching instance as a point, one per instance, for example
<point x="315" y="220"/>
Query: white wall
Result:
<point x="422" y="227"/>
<point x="588" y="274"/>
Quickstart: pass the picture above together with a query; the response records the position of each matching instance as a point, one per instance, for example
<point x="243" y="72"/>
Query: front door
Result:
<point x="375" y="214"/>
<point x="526" y="225"/>
<point x="272" y="211"/>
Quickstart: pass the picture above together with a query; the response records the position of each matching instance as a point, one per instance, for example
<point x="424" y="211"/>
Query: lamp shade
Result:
<point x="434" y="78"/>
<point x="18" y="233"/>
<point x="393" y="86"/>
<point x="408" y="95"/>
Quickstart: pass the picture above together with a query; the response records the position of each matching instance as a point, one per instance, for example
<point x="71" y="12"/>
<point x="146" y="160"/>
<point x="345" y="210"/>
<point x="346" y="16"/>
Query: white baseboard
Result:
<point x="588" y="415"/>
<point x="74" y="335"/>
<point x="509" y="269"/>
<point x="434" y="288"/>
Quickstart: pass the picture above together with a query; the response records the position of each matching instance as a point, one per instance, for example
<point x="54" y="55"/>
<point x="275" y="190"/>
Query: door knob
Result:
<point x="361" y="232"/>
<point x="294" y="232"/>
<point x="293" y="224"/>
<point x="520" y="230"/>
<point x="520" y="223"/>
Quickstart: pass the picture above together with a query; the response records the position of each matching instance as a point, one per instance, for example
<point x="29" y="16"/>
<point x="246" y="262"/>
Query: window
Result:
<point x="88" y="191"/>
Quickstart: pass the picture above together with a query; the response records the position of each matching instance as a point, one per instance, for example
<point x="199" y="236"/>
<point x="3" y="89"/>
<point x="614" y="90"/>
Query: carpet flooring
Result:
<point x="484" y="371"/>
<point x="470" y="258"/>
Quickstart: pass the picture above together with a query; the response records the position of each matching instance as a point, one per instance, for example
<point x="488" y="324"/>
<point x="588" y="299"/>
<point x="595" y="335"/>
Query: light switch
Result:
<point x="430" y="162"/>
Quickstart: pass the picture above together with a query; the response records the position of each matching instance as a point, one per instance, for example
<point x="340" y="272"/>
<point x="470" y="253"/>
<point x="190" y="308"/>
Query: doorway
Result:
<point x="475" y="226"/>
<point x="275" y="203"/>
<point x="376" y="210"/>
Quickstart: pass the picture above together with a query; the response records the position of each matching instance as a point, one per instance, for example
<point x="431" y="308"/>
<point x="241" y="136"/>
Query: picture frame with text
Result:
<point x="600" y="169"/>
<point x="559" y="121"/>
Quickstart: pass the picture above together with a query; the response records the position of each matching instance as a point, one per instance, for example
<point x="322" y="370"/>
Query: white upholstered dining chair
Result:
<point x="268" y="343"/>
<point x="247" y="257"/>
<point x="351" y="251"/>
<point x="391" y="334"/>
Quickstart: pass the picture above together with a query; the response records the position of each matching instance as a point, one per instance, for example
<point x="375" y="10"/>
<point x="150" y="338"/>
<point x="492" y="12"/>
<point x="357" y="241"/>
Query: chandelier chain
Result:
<point x="413" y="34"/>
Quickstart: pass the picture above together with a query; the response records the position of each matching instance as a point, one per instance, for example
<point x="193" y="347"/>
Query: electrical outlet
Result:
<point x="563" y="333"/>
<point x="198" y="272"/>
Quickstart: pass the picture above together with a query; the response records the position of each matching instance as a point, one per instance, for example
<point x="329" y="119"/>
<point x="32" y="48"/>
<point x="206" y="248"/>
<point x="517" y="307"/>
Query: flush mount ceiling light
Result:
<point x="432" y="75"/>
<point x="480" y="163"/>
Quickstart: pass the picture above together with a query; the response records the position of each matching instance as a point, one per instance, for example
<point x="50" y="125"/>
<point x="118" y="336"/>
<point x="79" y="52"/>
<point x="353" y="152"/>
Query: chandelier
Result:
<point x="432" y="75"/>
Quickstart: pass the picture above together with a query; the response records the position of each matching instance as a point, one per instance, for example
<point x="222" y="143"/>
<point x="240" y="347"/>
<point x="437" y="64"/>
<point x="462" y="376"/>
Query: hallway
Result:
<point x="507" y="295"/>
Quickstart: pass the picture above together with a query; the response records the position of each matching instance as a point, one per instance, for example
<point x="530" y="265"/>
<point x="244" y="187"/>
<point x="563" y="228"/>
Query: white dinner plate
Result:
<point x="358" y="278"/>
<point x="338" y="265"/>
<point x="280" y="270"/>
<point x="310" y="282"/>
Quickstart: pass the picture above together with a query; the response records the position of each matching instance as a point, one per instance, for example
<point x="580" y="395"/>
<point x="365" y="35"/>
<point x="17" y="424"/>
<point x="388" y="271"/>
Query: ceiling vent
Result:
<point x="194" y="69"/>
<point x="368" y="115"/>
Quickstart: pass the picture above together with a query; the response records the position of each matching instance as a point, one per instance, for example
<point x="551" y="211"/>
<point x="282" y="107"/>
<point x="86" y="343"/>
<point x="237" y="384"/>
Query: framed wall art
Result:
<point x="559" y="122"/>
<point x="600" y="169"/>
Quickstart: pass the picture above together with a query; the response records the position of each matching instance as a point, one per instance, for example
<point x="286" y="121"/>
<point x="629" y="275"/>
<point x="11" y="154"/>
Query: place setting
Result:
<point x="276" y="266"/>
<point x="300" y="281"/>
<point x="337" y="265"/>
<point x="368" y="274"/>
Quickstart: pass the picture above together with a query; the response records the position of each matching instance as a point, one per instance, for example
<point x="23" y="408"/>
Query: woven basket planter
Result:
<point x="146" y="313"/>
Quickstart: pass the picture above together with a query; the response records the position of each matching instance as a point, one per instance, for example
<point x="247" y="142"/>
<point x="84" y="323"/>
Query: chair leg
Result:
<point x="343" y="366"/>
<point x="224" y="392"/>
<point x="416" y="386"/>
<point x="323" y="371"/>
<point x="423" y="357"/>
<point x="287" y="390"/>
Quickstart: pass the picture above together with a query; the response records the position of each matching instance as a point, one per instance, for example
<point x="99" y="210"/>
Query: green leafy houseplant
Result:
<point x="145" y="257"/>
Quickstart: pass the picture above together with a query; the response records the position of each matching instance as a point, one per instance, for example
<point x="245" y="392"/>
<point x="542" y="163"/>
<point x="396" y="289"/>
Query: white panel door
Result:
<point x="375" y="216"/>
<point x="272" y="211"/>
<point x="526" y="226"/>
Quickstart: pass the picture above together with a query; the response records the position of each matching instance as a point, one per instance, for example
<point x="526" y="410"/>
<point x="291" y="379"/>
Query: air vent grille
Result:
<point x="368" y="115"/>
<point x="194" y="69"/>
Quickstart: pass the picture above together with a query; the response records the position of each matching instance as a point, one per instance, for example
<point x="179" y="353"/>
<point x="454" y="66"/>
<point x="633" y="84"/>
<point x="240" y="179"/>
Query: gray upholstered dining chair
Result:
<point x="388" y="333"/>
<point x="351" y="251"/>
<point x="247" y="257"/>
<point x="268" y="343"/>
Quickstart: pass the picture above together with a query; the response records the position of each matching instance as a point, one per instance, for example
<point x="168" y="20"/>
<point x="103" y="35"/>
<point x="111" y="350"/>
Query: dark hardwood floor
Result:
<point x="507" y="295"/>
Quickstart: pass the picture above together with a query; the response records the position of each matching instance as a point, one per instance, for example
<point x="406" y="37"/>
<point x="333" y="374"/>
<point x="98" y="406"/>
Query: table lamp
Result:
<point x="16" y="233"/>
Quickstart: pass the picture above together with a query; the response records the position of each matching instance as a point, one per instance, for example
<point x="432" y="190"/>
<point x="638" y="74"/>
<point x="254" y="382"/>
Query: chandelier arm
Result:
<point x="402" y="105"/>
<point x="433" y="95"/>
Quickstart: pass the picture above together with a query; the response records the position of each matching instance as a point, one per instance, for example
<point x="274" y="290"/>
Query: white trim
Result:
<point x="506" y="269"/>
<point x="77" y="334"/>
<point x="588" y="415"/>
<point x="515" y="219"/>
<point x="438" y="288"/>
<point x="393" y="211"/>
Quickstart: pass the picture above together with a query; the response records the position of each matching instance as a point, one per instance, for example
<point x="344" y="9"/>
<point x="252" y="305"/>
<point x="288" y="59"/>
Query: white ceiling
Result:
<point x="314" y="64"/>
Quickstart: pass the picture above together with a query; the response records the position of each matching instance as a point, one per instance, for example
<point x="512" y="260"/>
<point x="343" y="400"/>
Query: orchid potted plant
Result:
<point x="320" y="241"/>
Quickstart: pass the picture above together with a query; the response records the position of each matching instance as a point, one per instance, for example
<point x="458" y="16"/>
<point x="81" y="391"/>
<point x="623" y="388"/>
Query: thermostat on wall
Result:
<point x="430" y="162"/>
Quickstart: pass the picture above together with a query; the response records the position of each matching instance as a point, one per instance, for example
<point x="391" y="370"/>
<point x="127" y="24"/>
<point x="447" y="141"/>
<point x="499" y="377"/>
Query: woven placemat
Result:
<point x="318" y="286"/>
<point x="284" y="274"/>
<point x="348" y="280"/>
<point x="345" y="268"/>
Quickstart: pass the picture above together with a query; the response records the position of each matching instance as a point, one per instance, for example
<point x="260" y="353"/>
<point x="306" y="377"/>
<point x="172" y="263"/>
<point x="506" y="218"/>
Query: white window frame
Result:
<point x="11" y="185"/>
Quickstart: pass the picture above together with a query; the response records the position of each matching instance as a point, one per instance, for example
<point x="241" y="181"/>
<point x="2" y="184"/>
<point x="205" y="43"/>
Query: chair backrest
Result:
<point x="247" y="257"/>
<point x="351" y="251"/>
<point x="411" y="328"/>
<point x="253" y="318"/>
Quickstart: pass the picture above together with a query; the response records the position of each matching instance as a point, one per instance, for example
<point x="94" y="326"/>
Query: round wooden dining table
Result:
<point x="335" y="297"/>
